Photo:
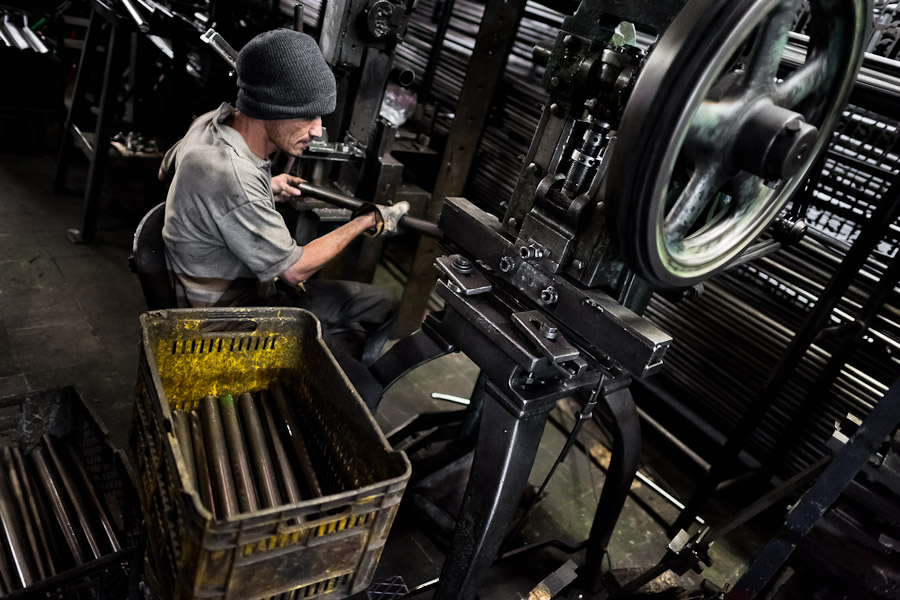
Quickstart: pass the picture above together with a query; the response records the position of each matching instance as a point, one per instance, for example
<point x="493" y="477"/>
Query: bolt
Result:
<point x="512" y="222"/>
<point x="569" y="41"/>
<point x="792" y="127"/>
<point x="549" y="331"/>
<point x="534" y="169"/>
<point x="554" y="108"/>
<point x="532" y="251"/>
<point x="590" y="103"/>
<point x="554" y="81"/>
<point x="549" y="295"/>
<point x="507" y="264"/>
<point x="462" y="264"/>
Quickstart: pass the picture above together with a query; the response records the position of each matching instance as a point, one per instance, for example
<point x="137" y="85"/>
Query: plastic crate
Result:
<point x="61" y="413"/>
<point x="329" y="545"/>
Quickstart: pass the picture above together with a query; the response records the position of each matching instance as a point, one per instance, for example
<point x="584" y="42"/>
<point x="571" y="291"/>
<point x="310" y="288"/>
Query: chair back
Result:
<point x="148" y="260"/>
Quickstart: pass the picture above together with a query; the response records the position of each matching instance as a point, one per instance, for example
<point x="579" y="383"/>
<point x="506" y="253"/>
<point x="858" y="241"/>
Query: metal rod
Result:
<point x="259" y="453"/>
<point x="22" y="573"/>
<point x="237" y="454"/>
<point x="201" y="465"/>
<point x="51" y="488"/>
<point x="292" y="431"/>
<point x="81" y="512"/>
<point x="93" y="500"/>
<point x="34" y="511"/>
<point x="18" y="496"/>
<point x="136" y="16"/>
<point x="342" y="201"/>
<point x="217" y="458"/>
<point x="182" y="425"/>
<point x="289" y="487"/>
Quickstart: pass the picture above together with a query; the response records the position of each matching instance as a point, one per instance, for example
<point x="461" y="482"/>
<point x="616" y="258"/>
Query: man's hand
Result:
<point x="390" y="217"/>
<point x="286" y="187"/>
<point x="386" y="217"/>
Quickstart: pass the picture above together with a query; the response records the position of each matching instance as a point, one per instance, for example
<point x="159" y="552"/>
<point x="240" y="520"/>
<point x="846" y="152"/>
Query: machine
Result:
<point x="674" y="135"/>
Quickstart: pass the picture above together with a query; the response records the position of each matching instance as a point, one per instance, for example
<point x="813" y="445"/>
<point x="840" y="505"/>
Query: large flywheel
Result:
<point x="716" y="137"/>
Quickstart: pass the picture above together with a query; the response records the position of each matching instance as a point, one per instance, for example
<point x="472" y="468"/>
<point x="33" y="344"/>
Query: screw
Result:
<point x="554" y="108"/>
<point x="554" y="81"/>
<point x="569" y="41"/>
<point x="534" y="169"/>
<point x="549" y="295"/>
<point x="512" y="222"/>
<point x="507" y="264"/>
<point x="462" y="264"/>
<point x="549" y="331"/>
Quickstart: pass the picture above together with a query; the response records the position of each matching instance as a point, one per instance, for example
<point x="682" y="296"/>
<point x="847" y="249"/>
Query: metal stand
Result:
<point x="98" y="149"/>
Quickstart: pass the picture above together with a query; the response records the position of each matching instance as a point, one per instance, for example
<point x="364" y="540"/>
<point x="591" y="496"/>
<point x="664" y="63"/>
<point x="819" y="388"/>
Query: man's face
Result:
<point x="292" y="136"/>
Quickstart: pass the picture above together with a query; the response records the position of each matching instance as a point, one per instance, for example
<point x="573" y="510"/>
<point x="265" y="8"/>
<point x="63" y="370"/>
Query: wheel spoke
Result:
<point x="801" y="83"/>
<point x="745" y="189"/>
<point x="768" y="48"/>
<point x="692" y="202"/>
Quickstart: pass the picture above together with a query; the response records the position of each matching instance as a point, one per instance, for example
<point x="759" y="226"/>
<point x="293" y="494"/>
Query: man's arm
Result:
<point x="323" y="249"/>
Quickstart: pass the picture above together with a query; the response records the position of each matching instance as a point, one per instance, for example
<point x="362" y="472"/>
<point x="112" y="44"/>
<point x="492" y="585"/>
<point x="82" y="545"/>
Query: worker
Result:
<point x="225" y="241"/>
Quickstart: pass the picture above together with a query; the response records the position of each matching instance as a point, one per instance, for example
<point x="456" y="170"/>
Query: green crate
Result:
<point x="329" y="545"/>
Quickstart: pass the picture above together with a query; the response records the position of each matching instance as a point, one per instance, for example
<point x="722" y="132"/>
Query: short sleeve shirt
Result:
<point x="225" y="241"/>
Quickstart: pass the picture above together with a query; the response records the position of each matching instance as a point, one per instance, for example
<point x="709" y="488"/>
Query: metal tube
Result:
<point x="13" y="33"/>
<point x="289" y="487"/>
<point x="136" y="16"/>
<point x="183" y="435"/>
<point x="81" y="512"/>
<point x="290" y="427"/>
<point x="217" y="456"/>
<point x="94" y="501"/>
<point x="204" y="484"/>
<point x="340" y="200"/>
<point x="237" y="454"/>
<point x="25" y="523"/>
<point x="33" y="40"/>
<point x="34" y="511"/>
<point x="259" y="453"/>
<point x="48" y="482"/>
<point x="22" y="573"/>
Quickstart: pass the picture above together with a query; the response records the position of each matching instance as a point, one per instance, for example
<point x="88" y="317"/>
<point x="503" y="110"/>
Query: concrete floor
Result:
<point x="68" y="315"/>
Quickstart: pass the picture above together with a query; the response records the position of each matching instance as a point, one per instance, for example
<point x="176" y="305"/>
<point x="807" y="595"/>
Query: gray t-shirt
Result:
<point x="225" y="242"/>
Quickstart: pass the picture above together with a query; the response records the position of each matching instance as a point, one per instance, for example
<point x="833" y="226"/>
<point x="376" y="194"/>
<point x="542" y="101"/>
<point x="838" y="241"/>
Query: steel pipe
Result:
<point x="224" y="494"/>
<point x="237" y="455"/>
<point x="266" y="484"/>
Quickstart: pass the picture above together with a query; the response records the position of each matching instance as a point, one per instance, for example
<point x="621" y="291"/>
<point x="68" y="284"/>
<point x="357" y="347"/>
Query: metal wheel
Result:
<point x="712" y="143"/>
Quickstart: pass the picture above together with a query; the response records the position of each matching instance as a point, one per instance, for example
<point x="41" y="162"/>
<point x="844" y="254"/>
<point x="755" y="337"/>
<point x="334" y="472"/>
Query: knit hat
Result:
<point x="283" y="75"/>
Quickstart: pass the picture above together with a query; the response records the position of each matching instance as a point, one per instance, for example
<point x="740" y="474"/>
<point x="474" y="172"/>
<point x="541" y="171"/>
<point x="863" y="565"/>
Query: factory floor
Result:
<point x="68" y="316"/>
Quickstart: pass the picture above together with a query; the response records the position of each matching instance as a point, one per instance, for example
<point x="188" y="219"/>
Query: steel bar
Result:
<point x="342" y="201"/>
<point x="33" y="510"/>
<point x="57" y="503"/>
<point x="21" y="505"/>
<point x="289" y="487"/>
<point x="266" y="484"/>
<point x="16" y="543"/>
<point x="181" y="422"/>
<point x="136" y="16"/>
<point x="93" y="500"/>
<point x="237" y="455"/>
<point x="224" y="493"/>
<point x="201" y="465"/>
<point x="291" y="429"/>
<point x="81" y="512"/>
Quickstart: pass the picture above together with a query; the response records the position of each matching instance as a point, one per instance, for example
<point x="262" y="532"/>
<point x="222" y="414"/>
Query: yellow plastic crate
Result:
<point x="329" y="545"/>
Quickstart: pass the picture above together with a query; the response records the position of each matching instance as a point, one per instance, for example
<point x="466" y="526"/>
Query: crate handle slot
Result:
<point x="226" y="323"/>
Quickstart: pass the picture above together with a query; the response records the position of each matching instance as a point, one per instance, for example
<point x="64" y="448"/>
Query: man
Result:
<point x="225" y="241"/>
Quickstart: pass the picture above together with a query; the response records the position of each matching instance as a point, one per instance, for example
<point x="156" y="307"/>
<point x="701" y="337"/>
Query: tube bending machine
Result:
<point x="674" y="135"/>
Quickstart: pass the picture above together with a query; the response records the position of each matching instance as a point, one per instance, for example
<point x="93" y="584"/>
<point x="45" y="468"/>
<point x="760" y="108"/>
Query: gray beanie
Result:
<point x="283" y="75"/>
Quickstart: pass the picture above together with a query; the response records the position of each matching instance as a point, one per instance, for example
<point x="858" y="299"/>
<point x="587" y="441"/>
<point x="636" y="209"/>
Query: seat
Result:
<point x="148" y="260"/>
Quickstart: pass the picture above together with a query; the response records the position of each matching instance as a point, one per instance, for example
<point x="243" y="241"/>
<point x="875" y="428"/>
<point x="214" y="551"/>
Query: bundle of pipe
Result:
<point x="51" y="516"/>
<point x="246" y="454"/>
<point x="731" y="338"/>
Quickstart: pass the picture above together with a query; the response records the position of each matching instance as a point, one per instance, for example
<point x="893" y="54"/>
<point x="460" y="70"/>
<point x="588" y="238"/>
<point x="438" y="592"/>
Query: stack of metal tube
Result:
<point x="15" y="32"/>
<point x="245" y="454"/>
<point x="51" y="516"/>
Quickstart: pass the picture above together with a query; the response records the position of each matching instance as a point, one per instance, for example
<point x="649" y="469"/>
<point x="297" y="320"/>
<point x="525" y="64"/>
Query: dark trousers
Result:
<point x="356" y="322"/>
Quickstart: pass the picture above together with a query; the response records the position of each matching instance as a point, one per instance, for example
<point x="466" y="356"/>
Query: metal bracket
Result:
<point x="463" y="277"/>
